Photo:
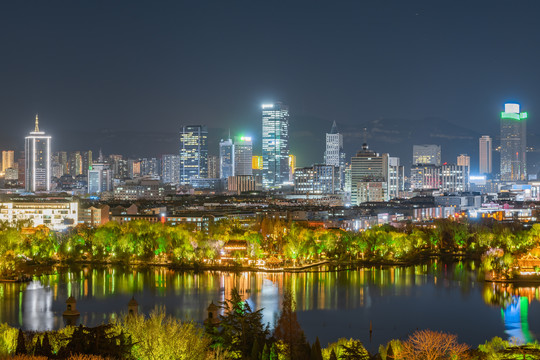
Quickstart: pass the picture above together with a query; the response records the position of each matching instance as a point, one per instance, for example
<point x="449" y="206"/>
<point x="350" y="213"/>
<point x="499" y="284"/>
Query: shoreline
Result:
<point x="30" y="270"/>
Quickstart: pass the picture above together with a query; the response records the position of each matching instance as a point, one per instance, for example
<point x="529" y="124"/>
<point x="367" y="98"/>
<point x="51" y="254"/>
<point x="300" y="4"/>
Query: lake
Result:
<point x="450" y="297"/>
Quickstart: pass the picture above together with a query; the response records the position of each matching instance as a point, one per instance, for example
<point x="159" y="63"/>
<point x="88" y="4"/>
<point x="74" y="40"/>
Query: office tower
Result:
<point x="150" y="167"/>
<point x="133" y="168"/>
<point x="75" y="163"/>
<point x="170" y="169"/>
<point x="86" y="161"/>
<point x="226" y="158"/>
<point x="7" y="160"/>
<point x="427" y="154"/>
<point x="485" y="152"/>
<point x="275" y="144"/>
<point x="317" y="179"/>
<point x="256" y="162"/>
<point x="37" y="151"/>
<point x="513" y="143"/>
<point x="369" y="176"/>
<point x="62" y="159"/>
<point x="243" y="152"/>
<point x="213" y="167"/>
<point x="334" y="154"/>
<point x="119" y="166"/>
<point x="100" y="178"/>
<point x="464" y="160"/>
<point x="425" y="177"/>
<point x="292" y="167"/>
<point x="193" y="153"/>
<point x="396" y="177"/>
<point x="454" y="178"/>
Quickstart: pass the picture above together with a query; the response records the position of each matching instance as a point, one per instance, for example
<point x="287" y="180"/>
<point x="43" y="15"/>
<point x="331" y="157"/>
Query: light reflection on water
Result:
<point x="439" y="296"/>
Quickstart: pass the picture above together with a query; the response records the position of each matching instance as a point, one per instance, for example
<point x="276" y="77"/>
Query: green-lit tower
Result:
<point x="513" y="143"/>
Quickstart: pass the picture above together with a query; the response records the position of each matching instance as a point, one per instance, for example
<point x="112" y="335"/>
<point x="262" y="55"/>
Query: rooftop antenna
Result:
<point x="37" y="124"/>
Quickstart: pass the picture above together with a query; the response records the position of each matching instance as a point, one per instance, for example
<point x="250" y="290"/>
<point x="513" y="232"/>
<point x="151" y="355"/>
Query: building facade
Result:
<point x="427" y="154"/>
<point x="367" y="166"/>
<point x="193" y="153"/>
<point x="485" y="155"/>
<point x="275" y="144"/>
<point x="170" y="169"/>
<point x="8" y="160"/>
<point x="37" y="151"/>
<point x="243" y="153"/>
<point x="334" y="154"/>
<point x="513" y="143"/>
<point x="226" y="158"/>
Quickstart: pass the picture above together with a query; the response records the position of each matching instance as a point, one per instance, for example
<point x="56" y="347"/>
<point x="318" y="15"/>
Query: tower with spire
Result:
<point x="37" y="152"/>
<point x="334" y="154"/>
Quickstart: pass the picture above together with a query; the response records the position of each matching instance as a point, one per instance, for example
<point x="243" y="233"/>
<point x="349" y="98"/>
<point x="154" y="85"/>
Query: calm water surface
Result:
<point x="450" y="297"/>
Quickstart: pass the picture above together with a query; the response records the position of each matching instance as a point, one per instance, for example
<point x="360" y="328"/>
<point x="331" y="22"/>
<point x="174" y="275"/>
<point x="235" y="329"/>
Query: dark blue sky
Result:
<point x="149" y="67"/>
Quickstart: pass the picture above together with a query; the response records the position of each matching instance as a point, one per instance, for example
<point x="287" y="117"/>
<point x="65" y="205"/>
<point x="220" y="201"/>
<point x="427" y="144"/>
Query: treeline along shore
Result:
<point x="267" y="245"/>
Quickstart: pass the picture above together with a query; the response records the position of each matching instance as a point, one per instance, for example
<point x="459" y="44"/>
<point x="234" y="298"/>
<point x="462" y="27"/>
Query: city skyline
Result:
<point x="146" y="88"/>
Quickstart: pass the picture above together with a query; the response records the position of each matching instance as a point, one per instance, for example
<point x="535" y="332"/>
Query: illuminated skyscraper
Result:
<point x="275" y="144"/>
<point x="193" y="153"/>
<point x="243" y="151"/>
<point x="485" y="160"/>
<point x="226" y="158"/>
<point x="7" y="160"/>
<point x="37" y="150"/>
<point x="170" y="169"/>
<point x="334" y="154"/>
<point x="369" y="176"/>
<point x="513" y="143"/>
<point x="213" y="167"/>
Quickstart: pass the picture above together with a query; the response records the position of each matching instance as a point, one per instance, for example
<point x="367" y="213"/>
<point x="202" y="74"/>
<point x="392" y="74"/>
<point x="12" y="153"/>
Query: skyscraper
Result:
<point x="37" y="150"/>
<point x="7" y="160"/>
<point x="226" y="158"/>
<point x="193" y="153"/>
<point x="427" y="154"/>
<point x="100" y="178"/>
<point x="170" y="169"/>
<point x="369" y="176"/>
<point x="213" y="167"/>
<point x="334" y="154"/>
<point x="485" y="160"/>
<point x="513" y="143"/>
<point x="243" y="152"/>
<point x="275" y="144"/>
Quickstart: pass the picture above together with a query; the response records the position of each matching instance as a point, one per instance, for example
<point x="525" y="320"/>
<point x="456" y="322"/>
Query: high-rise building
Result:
<point x="243" y="152"/>
<point x="396" y="177"/>
<point x="8" y="159"/>
<point x="150" y="167"/>
<point x="275" y="144"/>
<point x="213" y="167"/>
<point x="100" y="178"/>
<point x="86" y="161"/>
<point x="37" y="151"/>
<point x="193" y="153"/>
<point x="368" y="167"/>
<point x="513" y="143"/>
<point x="226" y="158"/>
<point x="292" y="167"/>
<point x="334" y="154"/>
<point x="75" y="163"/>
<point x="427" y="154"/>
<point x="170" y="169"/>
<point x="256" y="162"/>
<point x="485" y="152"/>
<point x="318" y="179"/>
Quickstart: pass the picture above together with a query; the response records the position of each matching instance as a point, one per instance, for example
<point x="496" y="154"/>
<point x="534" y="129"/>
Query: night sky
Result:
<point x="125" y="75"/>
